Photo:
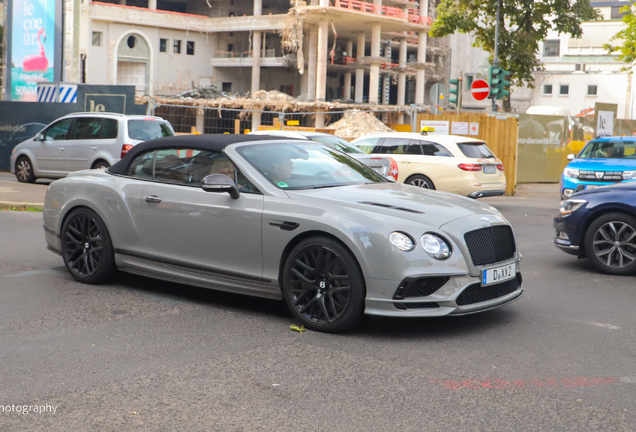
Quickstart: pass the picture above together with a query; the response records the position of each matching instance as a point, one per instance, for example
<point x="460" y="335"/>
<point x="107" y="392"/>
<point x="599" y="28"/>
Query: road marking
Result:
<point x="52" y="272"/>
<point x="545" y="382"/>
<point x="598" y="324"/>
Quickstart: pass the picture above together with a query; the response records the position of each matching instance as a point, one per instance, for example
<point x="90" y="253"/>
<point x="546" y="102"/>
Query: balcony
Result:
<point x="246" y="59"/>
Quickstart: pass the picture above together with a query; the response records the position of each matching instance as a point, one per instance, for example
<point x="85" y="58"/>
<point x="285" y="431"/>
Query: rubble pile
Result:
<point x="356" y="123"/>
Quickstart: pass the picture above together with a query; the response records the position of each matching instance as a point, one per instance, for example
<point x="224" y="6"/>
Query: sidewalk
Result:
<point x="24" y="195"/>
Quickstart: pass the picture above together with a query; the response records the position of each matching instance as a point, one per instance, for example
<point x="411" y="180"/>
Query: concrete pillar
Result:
<point x="320" y="120"/>
<point x="321" y="64"/>
<point x="419" y="79"/>
<point x="200" y="120"/>
<point x="324" y="3"/>
<point x="312" y="65"/>
<point x="258" y="7"/>
<point x="374" y="73"/>
<point x="401" y="96"/>
<point x="256" y="121"/>
<point x="152" y="4"/>
<point x="256" y="61"/>
<point x="359" y="97"/>
<point x="347" y="76"/>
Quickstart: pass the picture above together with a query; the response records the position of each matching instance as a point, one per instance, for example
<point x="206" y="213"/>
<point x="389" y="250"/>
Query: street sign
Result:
<point x="437" y="94"/>
<point x="480" y="89"/>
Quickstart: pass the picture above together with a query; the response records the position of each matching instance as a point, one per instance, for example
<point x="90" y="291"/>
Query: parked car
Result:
<point x="22" y="132"/>
<point x="603" y="161"/>
<point x="600" y="224"/>
<point x="81" y="141"/>
<point x="282" y="218"/>
<point x="449" y="163"/>
<point x="385" y="166"/>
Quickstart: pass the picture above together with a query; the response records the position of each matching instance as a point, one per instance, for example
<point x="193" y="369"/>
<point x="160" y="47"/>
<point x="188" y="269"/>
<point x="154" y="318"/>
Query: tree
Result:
<point x="522" y="24"/>
<point x="627" y="37"/>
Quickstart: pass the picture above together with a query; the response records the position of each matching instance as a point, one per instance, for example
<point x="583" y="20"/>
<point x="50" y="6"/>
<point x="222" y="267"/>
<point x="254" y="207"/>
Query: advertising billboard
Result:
<point x="33" y="46"/>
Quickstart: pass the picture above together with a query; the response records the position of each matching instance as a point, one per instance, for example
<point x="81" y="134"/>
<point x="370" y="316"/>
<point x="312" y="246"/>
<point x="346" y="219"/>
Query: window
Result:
<point x="226" y="87"/>
<point x="97" y="38"/>
<point x="578" y="67"/>
<point x="287" y="89"/>
<point x="551" y="48"/>
<point x="592" y="89"/>
<point x="141" y="166"/>
<point x="176" y="47"/>
<point x="190" y="47"/>
<point x="477" y="150"/>
<point x="110" y="129"/>
<point x="230" y="47"/>
<point x="163" y="45"/>
<point x="58" y="131"/>
<point x="148" y="129"/>
<point x="367" y="145"/>
<point x="394" y="146"/>
<point x="564" y="89"/>
<point x="87" y="128"/>
<point x="547" y="89"/>
<point x="434" y="149"/>
<point x="617" y="14"/>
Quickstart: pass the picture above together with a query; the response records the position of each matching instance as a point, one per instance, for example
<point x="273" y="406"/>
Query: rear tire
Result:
<point x="421" y="181"/>
<point x="101" y="164"/>
<point x="24" y="170"/>
<point x="323" y="285"/>
<point x="610" y="244"/>
<point x="87" y="248"/>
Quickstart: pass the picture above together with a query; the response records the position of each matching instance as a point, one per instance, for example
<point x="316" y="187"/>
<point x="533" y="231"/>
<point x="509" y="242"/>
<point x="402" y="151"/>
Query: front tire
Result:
<point x="87" y="248"/>
<point x="421" y="181"/>
<point x="610" y="244"/>
<point x="323" y="285"/>
<point x="101" y="164"/>
<point x="24" y="170"/>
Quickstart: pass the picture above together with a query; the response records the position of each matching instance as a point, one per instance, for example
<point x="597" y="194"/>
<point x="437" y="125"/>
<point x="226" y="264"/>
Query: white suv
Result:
<point x="81" y="141"/>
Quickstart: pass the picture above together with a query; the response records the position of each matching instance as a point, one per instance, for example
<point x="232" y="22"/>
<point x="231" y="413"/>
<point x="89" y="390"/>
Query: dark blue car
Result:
<point x="600" y="224"/>
<point x="602" y="161"/>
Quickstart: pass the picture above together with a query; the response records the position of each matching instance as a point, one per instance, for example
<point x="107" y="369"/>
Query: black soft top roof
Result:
<point x="196" y="142"/>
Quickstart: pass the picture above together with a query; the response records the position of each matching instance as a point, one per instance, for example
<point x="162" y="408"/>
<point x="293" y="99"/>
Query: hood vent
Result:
<point x="391" y="207"/>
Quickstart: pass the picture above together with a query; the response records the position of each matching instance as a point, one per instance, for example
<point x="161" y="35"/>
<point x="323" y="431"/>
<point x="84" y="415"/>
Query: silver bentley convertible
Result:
<point x="283" y="218"/>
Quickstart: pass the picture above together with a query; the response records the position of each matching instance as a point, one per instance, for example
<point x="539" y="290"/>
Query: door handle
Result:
<point x="153" y="199"/>
<point x="60" y="149"/>
<point x="93" y="148"/>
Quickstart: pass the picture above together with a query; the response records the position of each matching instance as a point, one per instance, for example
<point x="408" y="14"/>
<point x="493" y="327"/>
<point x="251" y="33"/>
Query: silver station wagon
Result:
<point x="283" y="219"/>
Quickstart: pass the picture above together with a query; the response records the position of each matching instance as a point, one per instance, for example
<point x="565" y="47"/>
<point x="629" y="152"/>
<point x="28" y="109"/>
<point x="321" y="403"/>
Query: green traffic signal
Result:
<point x="455" y="91"/>
<point x="498" y="83"/>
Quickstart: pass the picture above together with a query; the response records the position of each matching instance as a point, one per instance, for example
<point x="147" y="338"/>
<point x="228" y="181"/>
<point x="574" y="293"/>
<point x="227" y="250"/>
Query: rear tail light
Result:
<point x="469" y="167"/>
<point x="500" y="167"/>
<point x="124" y="149"/>
<point x="393" y="172"/>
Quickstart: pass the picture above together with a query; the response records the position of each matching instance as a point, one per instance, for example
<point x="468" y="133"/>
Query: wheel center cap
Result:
<point x="617" y="244"/>
<point x="322" y="284"/>
<point x="86" y="245"/>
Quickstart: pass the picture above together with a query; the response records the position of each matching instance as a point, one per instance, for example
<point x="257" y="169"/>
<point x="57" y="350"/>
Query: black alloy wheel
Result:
<point x="24" y="170"/>
<point x="323" y="285"/>
<point x="87" y="248"/>
<point x="421" y="181"/>
<point x="610" y="244"/>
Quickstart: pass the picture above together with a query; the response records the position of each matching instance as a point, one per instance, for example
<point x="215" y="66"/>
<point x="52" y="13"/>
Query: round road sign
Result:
<point x="480" y="89"/>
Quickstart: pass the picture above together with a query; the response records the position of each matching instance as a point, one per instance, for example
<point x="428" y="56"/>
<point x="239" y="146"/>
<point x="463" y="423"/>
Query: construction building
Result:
<point x="322" y="50"/>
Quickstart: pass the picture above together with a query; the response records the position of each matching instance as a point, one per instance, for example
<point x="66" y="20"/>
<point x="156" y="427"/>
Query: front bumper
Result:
<point x="570" y="184"/>
<point x="487" y="193"/>
<point x="461" y="295"/>
<point x="564" y="233"/>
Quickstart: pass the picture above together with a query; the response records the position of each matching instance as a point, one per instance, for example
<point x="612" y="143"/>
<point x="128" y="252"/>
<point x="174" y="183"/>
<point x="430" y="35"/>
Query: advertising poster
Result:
<point x="441" y="126"/>
<point x="33" y="35"/>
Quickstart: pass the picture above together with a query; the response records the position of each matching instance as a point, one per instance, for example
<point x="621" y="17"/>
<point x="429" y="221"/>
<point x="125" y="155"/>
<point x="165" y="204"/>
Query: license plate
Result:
<point x="593" y="186"/>
<point x="498" y="274"/>
<point x="490" y="169"/>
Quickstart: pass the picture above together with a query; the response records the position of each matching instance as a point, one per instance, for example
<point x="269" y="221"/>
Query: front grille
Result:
<point x="476" y="293"/>
<point x="420" y="287"/>
<point x="490" y="245"/>
<point x="405" y="306"/>
<point x="606" y="176"/>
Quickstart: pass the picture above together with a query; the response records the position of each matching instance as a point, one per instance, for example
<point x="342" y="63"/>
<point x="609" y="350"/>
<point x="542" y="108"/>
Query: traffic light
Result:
<point x="454" y="91"/>
<point x="498" y="82"/>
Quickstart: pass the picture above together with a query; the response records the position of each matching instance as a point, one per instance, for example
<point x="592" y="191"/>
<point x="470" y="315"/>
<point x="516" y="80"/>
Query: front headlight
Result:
<point x="402" y="241"/>
<point x="571" y="172"/>
<point x="435" y="246"/>
<point x="570" y="206"/>
<point x="629" y="175"/>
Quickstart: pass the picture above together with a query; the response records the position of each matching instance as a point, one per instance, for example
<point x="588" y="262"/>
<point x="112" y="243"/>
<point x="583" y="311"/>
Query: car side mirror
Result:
<point x="220" y="183"/>
<point x="39" y="137"/>
<point x="571" y="156"/>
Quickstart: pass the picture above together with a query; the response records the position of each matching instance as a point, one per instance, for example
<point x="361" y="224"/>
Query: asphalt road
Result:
<point x="141" y="354"/>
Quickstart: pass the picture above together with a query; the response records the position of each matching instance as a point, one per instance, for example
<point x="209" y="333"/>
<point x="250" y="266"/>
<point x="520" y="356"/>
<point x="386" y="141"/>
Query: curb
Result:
<point x="9" y="205"/>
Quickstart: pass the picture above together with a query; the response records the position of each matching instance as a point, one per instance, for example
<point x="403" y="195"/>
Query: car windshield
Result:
<point x="337" y="143"/>
<point x="148" y="129"/>
<point x="307" y="166"/>
<point x="609" y="150"/>
<point x="475" y="150"/>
